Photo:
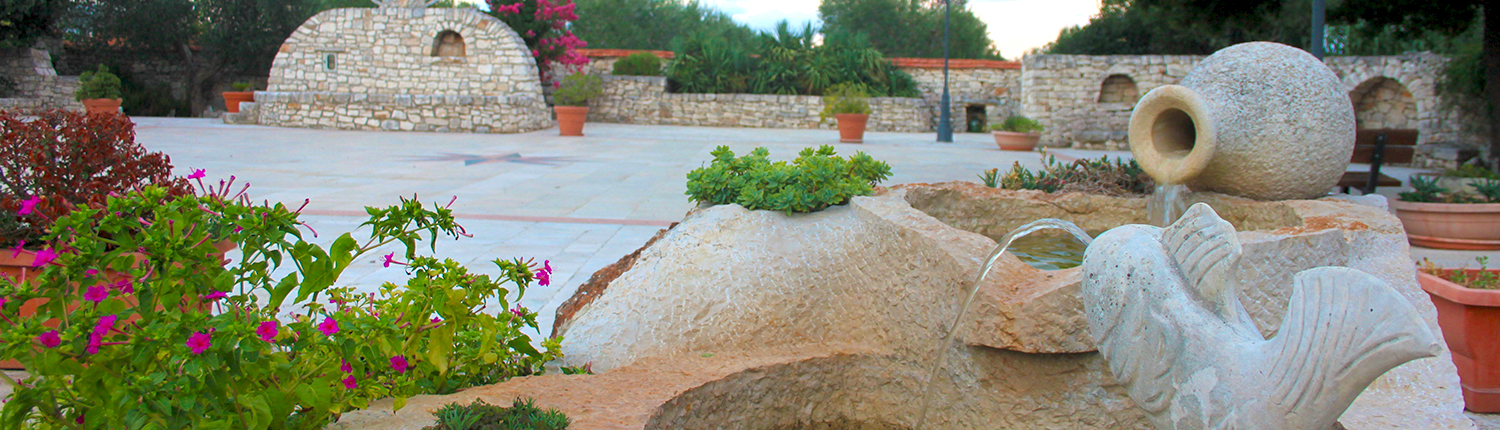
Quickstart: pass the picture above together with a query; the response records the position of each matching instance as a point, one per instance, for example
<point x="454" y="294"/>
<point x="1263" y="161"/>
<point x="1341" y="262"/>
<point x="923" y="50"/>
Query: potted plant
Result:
<point x="1436" y="217"/>
<point x="99" y="91"/>
<point x="572" y="98"/>
<point x="1468" y="307"/>
<point x="1017" y="133"/>
<point x="848" y="104"/>
<point x="243" y="92"/>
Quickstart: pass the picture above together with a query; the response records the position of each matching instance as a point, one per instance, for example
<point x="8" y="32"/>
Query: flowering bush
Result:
<point x="544" y="26"/>
<point x="61" y="159"/>
<point x="142" y="326"/>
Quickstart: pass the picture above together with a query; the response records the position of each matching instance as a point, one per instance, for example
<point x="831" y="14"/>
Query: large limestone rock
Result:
<point x="1165" y="311"/>
<point x="1260" y="120"/>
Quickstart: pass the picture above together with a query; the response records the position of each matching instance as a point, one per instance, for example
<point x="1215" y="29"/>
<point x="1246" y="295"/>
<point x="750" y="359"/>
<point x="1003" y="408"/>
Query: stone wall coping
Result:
<point x="646" y="79"/>
<point x="400" y="99"/>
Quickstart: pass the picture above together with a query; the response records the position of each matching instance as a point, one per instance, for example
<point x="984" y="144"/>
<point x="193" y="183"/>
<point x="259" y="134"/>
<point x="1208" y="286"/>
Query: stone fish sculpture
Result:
<point x="1167" y="317"/>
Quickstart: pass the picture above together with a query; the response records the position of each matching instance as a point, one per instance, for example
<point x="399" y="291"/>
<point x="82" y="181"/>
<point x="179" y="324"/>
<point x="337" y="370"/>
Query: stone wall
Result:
<point x="380" y="69"/>
<point x="644" y="100"/>
<point x="991" y="85"/>
<point x="37" y="85"/>
<point x="1065" y="94"/>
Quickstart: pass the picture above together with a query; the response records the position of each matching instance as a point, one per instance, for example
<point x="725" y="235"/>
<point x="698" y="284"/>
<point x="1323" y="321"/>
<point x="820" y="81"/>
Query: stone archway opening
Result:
<point x="1118" y="88"/>
<point x="1382" y="102"/>
<point x="448" y="43"/>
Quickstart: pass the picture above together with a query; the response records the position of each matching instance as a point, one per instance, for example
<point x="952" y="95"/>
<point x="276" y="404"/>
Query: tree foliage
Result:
<point x="909" y="28"/>
<point x="23" y="21"/>
<point x="1184" y="27"/>
<point x="785" y="61"/>
<point x="651" y="24"/>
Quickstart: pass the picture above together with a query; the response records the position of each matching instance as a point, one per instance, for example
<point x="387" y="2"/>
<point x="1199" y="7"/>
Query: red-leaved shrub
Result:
<point x="67" y="158"/>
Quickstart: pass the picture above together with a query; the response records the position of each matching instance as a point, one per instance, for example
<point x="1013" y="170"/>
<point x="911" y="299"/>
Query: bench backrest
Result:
<point x="1400" y="145"/>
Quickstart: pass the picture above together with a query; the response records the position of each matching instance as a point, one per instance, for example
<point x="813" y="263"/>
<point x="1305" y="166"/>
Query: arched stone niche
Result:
<point x="1382" y="102"/>
<point x="1118" y="88"/>
<point x="448" y="43"/>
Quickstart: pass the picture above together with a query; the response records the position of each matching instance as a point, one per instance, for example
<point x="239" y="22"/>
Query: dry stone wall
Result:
<point x="994" y="90"/>
<point x="381" y="69"/>
<point x="37" y="85"/>
<point x="644" y="100"/>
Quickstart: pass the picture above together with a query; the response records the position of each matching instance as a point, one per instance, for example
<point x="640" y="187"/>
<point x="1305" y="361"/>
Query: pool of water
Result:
<point x="1049" y="250"/>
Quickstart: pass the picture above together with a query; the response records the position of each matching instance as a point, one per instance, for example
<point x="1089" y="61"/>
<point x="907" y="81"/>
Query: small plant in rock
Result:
<point x="1483" y="279"/>
<point x="638" y="64"/>
<point x="814" y="181"/>
<point x="60" y="159"/>
<point x="1102" y="176"/>
<point x="1427" y="190"/>
<point x="1471" y="171"/>
<point x="521" y="415"/>
<point x="577" y="89"/>
<point x="844" y="99"/>
<point x="1019" y="124"/>
<point x="98" y="84"/>
<point x="991" y="178"/>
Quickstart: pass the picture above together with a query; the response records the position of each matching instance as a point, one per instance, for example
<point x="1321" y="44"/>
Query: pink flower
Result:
<point x="96" y="294"/>
<point x="3" y="301"/>
<point x="197" y="174"/>
<point x="43" y="257"/>
<point x="519" y="313"/>
<point x="435" y="320"/>
<point x="399" y="363"/>
<point x="91" y="272"/>
<point x="346" y="368"/>
<point x="268" y="331"/>
<point x="530" y="33"/>
<point x="544" y="278"/>
<point x="329" y="327"/>
<point x="391" y="259"/>
<point x="125" y="285"/>
<point x="18" y="249"/>
<point x="28" y="206"/>
<point x="105" y="324"/>
<point x="214" y="296"/>
<point x="351" y="383"/>
<point x="50" y="339"/>
<point x="199" y="342"/>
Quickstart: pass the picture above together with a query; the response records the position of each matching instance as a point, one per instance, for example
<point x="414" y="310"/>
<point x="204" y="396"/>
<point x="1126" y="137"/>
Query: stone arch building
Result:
<point x="1118" y="88"/>
<point x="404" y="68"/>
<point x="1382" y="102"/>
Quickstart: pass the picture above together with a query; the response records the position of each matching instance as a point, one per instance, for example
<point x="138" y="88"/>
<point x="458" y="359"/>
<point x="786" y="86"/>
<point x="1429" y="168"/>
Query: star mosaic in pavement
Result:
<point x="514" y="157"/>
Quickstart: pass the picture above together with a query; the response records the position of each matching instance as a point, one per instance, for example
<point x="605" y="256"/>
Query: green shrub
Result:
<point x="99" y="84"/>
<point x="784" y="62"/>
<point x="1471" y="171"/>
<point x="638" y="64"/>
<point x="1019" y="124"/>
<point x="521" y="415"/>
<point x="242" y="86"/>
<point x="813" y="182"/>
<point x="577" y="89"/>
<point x="845" y="98"/>
<point x="1427" y="190"/>
<point x="1102" y="176"/>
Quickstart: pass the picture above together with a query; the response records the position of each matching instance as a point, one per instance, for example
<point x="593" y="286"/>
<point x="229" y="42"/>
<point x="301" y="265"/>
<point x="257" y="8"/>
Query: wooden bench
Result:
<point x="1377" y="147"/>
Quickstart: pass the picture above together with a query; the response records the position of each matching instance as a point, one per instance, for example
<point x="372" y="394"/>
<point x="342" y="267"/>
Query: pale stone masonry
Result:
<point x="394" y="69"/>
<point x="37" y="85"/>
<point x="645" y="100"/>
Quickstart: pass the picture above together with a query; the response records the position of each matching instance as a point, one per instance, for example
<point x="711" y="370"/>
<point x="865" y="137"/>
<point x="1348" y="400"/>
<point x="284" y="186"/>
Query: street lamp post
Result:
<point x="1316" y="44"/>
<point x="945" y="127"/>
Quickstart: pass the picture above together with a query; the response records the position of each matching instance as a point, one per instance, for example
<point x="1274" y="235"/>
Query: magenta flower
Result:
<point x="50" y="339"/>
<point x="28" y="206"/>
<point x="125" y="285"/>
<point x="197" y="174"/>
<point x="518" y="312"/>
<point x="18" y="249"/>
<point x="91" y="272"/>
<point x="346" y="368"/>
<point x="391" y="259"/>
<point x="105" y="324"/>
<point x="199" y="342"/>
<point x="268" y="330"/>
<point x="351" y="383"/>
<point x="43" y="257"/>
<point x="3" y="301"/>
<point x="544" y="278"/>
<point x="435" y="320"/>
<point x="96" y="294"/>
<point x="329" y="326"/>
<point x="214" y="296"/>
<point x="399" y="363"/>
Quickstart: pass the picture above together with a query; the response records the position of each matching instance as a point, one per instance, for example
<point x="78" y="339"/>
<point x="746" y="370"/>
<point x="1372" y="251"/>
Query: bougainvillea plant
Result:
<point x="141" y="324"/>
<point x="543" y="24"/>
<point x="61" y="159"/>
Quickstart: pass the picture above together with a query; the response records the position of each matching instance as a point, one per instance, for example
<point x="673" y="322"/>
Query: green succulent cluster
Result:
<point x="814" y="181"/>
<point x="1116" y="177"/>
<point x="1427" y="190"/>
<point x="521" y="415"/>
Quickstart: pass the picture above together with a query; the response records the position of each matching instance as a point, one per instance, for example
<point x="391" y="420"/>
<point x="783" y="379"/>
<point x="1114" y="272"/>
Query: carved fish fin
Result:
<point x="1206" y="249"/>
<point x="1343" y="328"/>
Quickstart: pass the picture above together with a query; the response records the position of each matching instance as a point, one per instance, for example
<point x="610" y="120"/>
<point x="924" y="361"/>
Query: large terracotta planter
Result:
<point x="1012" y="141"/>
<point x="570" y="119"/>
<point x="1470" y="320"/>
<point x="1469" y="226"/>
<point x="101" y="105"/>
<point x="852" y="126"/>
<point x="232" y="99"/>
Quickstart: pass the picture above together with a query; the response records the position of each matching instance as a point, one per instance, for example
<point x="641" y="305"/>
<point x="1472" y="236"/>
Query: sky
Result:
<point x="1015" y="26"/>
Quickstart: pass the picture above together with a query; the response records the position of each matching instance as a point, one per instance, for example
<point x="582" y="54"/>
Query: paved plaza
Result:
<point x="580" y="202"/>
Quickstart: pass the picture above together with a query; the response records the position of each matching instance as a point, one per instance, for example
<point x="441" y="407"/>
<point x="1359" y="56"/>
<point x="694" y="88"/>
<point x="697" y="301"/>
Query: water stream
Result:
<point x="1004" y="244"/>
<point x="1166" y="204"/>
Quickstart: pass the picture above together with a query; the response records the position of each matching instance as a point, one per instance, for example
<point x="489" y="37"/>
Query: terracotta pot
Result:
<point x="1012" y="141"/>
<point x="1470" y="226"/>
<point x="852" y="126"/>
<point x="18" y="266"/>
<point x="1470" y="319"/>
<point x="232" y="99"/>
<point x="570" y="119"/>
<point x="101" y="105"/>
